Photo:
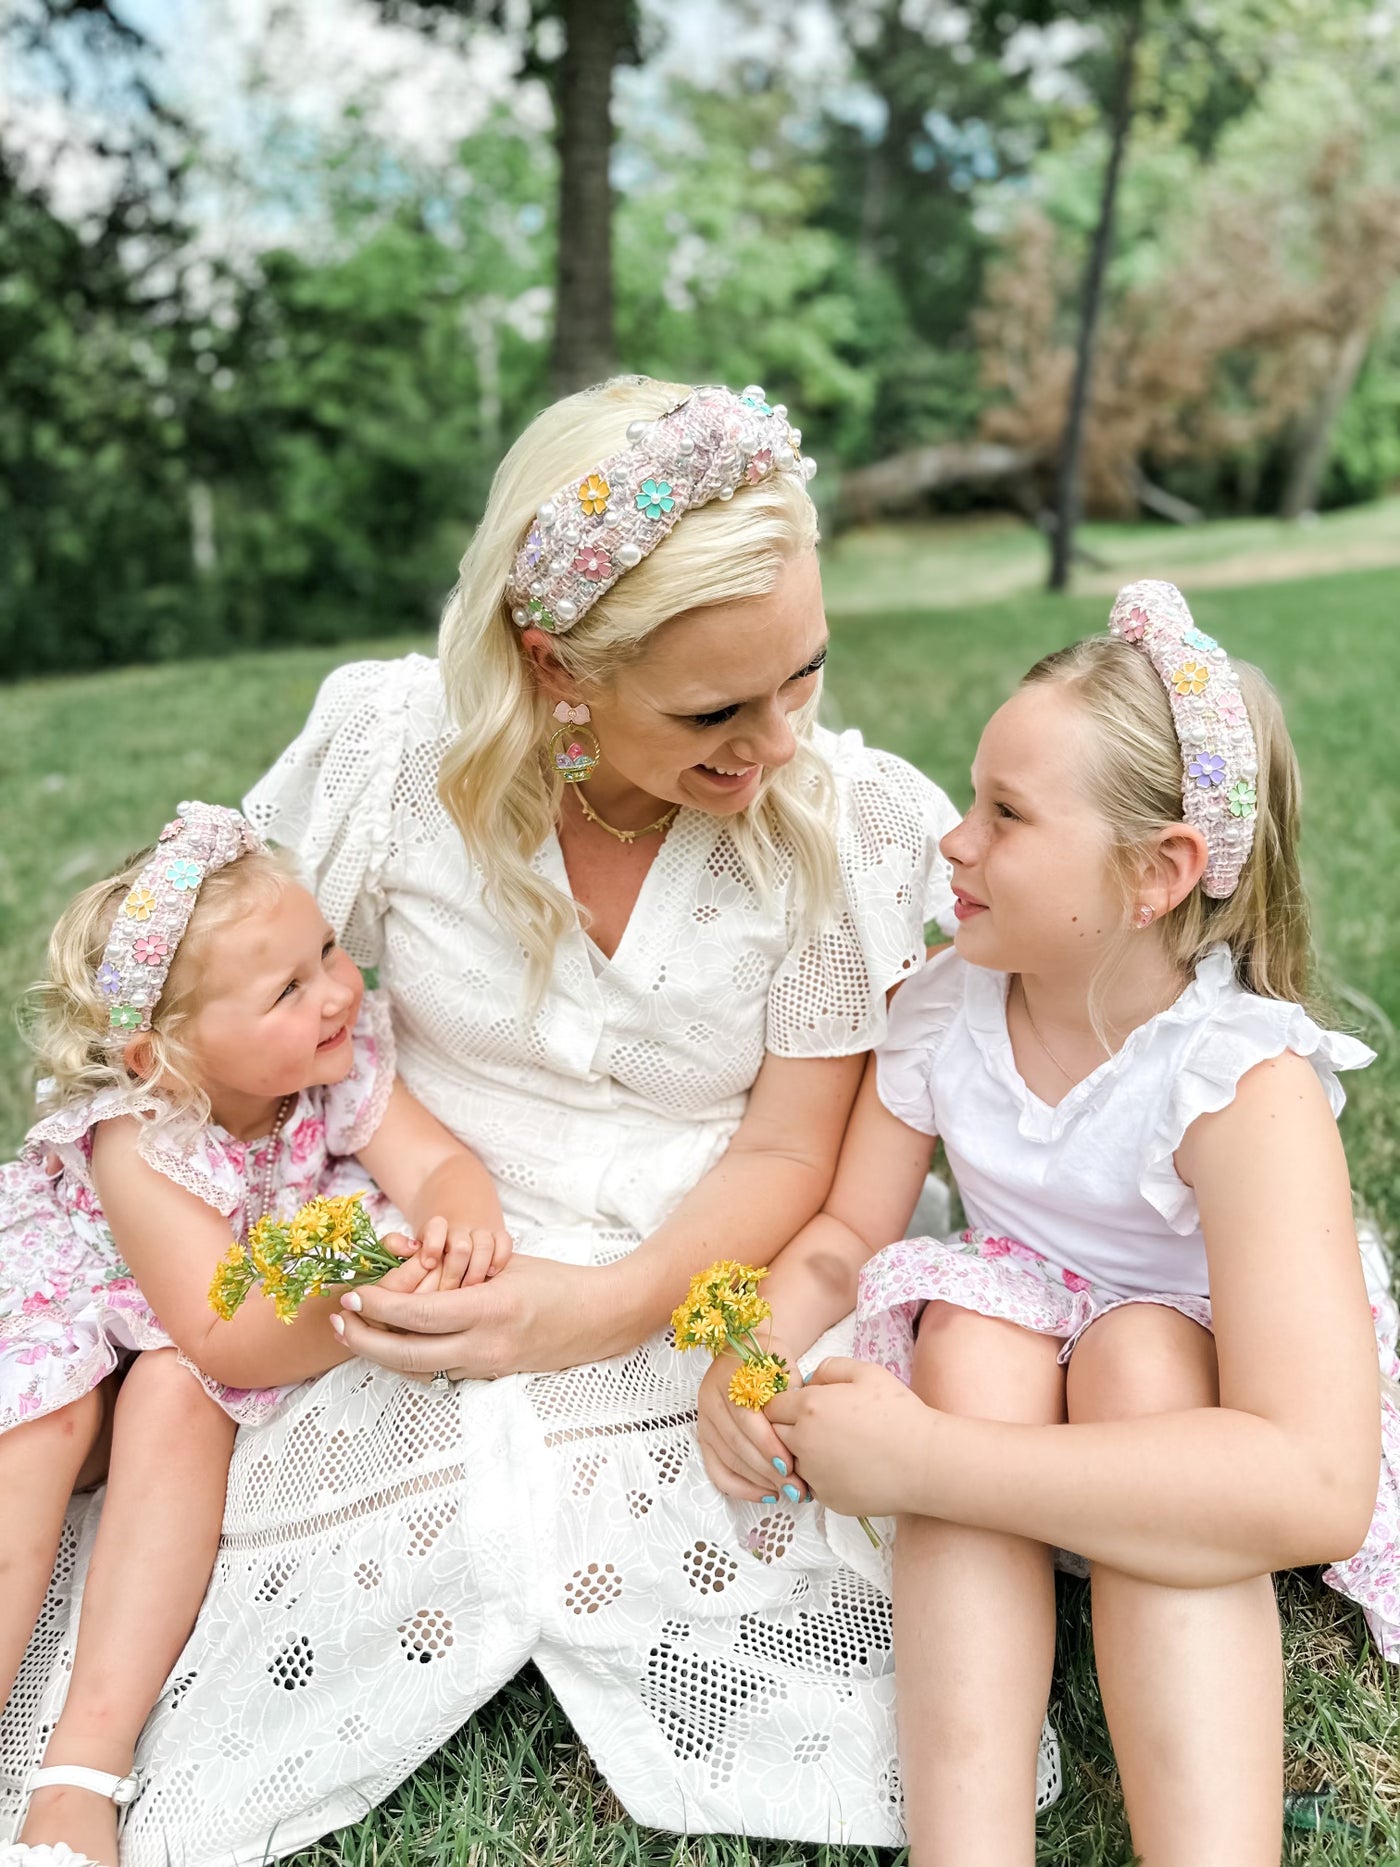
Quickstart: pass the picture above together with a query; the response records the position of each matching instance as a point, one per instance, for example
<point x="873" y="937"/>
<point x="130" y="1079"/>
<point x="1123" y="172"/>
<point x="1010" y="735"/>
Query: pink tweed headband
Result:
<point x="152" y="919"/>
<point x="1220" y="761"/>
<point x="596" y="529"/>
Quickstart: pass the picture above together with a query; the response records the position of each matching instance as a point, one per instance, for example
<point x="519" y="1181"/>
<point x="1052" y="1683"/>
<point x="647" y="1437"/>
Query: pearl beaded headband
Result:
<point x="1220" y="760"/>
<point x="596" y="529"/>
<point x="152" y="920"/>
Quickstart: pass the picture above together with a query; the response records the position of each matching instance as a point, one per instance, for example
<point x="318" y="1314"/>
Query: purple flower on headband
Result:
<point x="184" y="874"/>
<point x="109" y="980"/>
<point x="1208" y="769"/>
<point x="1231" y="708"/>
<point x="534" y="546"/>
<point x="150" y="949"/>
<point x="655" y="498"/>
<point x="1134" y="625"/>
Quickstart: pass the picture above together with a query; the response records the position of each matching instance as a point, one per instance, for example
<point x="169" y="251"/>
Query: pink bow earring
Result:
<point x="571" y="716"/>
<point x="575" y="756"/>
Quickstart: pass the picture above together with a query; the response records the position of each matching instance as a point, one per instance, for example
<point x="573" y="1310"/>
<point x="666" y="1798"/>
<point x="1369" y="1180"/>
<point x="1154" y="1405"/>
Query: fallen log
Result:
<point x="901" y="482"/>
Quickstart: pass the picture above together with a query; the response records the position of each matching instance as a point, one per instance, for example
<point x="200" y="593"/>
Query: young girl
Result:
<point x="1153" y="1347"/>
<point x="212" y="1056"/>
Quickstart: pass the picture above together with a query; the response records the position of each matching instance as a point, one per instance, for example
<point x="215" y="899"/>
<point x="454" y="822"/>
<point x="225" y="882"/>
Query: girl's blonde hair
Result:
<point x="78" y="1052"/>
<point x="1134" y="775"/>
<point x="493" y="780"/>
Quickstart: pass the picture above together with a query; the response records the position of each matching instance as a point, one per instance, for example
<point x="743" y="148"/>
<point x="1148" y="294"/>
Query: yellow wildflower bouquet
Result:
<point x="721" y="1311"/>
<point x="330" y="1241"/>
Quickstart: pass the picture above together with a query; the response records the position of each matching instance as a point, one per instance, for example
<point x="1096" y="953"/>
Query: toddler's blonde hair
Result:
<point x="493" y="781"/>
<point x="1134" y="776"/>
<point x="69" y="1028"/>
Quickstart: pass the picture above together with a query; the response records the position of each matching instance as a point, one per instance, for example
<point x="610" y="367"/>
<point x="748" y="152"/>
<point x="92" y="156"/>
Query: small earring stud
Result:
<point x="1146" y="914"/>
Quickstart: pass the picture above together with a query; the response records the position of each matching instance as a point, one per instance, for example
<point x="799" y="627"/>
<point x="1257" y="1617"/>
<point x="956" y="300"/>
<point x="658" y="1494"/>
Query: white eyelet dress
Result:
<point x="1076" y="1209"/>
<point x="390" y="1558"/>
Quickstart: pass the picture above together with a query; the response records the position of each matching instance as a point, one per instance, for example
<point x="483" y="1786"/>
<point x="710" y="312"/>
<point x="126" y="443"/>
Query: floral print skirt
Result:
<point x="1003" y="1278"/>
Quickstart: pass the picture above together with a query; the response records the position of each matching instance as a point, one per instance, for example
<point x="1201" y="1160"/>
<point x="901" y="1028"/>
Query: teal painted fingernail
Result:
<point x="792" y="1492"/>
<point x="780" y="1466"/>
<point x="770" y="1500"/>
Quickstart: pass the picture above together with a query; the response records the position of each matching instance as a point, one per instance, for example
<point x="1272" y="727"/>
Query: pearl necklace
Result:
<point x="663" y="822"/>
<point x="264" y="1189"/>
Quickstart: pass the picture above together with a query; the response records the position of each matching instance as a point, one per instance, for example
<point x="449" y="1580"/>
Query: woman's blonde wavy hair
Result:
<point x="69" y="1025"/>
<point x="493" y="779"/>
<point x="1134" y="777"/>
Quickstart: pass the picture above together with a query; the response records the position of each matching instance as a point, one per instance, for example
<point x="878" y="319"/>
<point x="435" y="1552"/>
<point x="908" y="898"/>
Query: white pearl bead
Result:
<point x="636" y="429"/>
<point x="628" y="555"/>
<point x="809" y="467"/>
<point x="546" y="512"/>
<point x="537" y="588"/>
<point x="565" y="611"/>
<point x="520" y="617"/>
<point x="685" y="447"/>
<point x="753" y="393"/>
<point x="780" y="410"/>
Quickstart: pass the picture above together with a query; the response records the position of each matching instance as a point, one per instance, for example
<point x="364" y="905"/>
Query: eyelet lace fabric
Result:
<point x="390" y="1557"/>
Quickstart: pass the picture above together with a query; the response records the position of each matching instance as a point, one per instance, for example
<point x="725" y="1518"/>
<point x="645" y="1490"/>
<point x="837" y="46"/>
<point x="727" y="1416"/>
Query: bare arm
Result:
<point x="1282" y="1472"/>
<point x="771" y="1179"/>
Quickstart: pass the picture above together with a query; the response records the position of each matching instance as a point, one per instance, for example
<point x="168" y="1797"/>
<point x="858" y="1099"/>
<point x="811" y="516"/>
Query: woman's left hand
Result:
<point x="859" y="1434"/>
<point x="534" y="1315"/>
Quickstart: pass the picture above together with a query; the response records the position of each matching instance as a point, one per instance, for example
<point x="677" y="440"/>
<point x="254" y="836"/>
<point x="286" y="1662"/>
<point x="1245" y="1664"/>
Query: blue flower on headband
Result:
<point x="183" y="874"/>
<point x="109" y="980"/>
<point x="655" y="498"/>
<point x="753" y="401"/>
<point x="1196" y="638"/>
<point x="1207" y="768"/>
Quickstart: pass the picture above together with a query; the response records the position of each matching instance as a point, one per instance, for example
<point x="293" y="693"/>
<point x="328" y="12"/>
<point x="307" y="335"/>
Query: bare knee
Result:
<point x="69" y="1431"/>
<point x="985" y="1368"/>
<point x="1139" y="1360"/>
<point x="162" y="1389"/>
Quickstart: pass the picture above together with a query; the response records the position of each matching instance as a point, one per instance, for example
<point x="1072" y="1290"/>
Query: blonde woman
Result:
<point x="637" y="915"/>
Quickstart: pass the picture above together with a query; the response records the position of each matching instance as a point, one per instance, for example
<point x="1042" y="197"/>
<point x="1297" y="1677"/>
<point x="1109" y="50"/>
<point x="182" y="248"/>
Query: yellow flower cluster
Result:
<point x="721" y="1310"/>
<point x="330" y="1241"/>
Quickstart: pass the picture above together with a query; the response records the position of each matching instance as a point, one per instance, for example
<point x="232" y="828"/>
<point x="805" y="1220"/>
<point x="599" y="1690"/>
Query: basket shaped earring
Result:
<point x="573" y="747"/>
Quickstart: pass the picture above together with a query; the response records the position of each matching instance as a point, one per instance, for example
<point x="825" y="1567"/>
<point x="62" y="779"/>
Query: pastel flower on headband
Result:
<point x="710" y="445"/>
<point x="1191" y="677"/>
<point x="1219" y="758"/>
<point x="655" y="498"/>
<point x="594" y="494"/>
<point x="147" y="932"/>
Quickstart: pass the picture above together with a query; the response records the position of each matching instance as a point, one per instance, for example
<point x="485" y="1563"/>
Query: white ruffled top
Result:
<point x="1090" y="1182"/>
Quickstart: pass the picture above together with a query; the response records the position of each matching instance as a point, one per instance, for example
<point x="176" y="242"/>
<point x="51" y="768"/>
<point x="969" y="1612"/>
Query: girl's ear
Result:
<point x="1174" y="864"/>
<point x="139" y="1058"/>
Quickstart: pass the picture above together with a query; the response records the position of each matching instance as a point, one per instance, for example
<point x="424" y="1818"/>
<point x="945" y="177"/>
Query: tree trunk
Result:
<point x="1068" y="496"/>
<point x="583" y="308"/>
<point x="1314" y="446"/>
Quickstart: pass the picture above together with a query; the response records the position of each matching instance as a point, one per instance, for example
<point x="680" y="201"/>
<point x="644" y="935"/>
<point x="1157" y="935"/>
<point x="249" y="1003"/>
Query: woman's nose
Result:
<point x="769" y="740"/>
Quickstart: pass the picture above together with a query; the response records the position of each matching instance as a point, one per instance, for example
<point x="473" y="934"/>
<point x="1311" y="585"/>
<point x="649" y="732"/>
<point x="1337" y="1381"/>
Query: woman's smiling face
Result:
<point x="705" y="712"/>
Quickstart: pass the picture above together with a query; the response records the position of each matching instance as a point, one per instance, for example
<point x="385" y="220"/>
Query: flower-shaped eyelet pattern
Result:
<point x="655" y="499"/>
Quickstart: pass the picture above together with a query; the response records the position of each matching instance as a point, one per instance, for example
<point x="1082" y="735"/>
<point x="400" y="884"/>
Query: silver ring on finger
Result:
<point x="441" y="1383"/>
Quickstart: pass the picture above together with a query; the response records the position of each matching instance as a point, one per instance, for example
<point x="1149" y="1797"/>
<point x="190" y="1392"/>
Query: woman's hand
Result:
<point x="743" y="1455"/>
<point x="860" y="1436"/>
<point x="536" y="1315"/>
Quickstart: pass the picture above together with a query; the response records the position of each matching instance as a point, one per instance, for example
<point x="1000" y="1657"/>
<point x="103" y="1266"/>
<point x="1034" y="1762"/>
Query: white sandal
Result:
<point x="123" y="1790"/>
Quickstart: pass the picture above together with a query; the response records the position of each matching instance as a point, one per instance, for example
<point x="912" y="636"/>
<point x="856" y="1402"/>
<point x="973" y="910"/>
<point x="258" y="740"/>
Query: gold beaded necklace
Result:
<point x="663" y="822"/>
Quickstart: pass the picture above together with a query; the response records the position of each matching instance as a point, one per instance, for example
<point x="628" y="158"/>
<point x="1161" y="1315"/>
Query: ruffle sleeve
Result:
<point x="354" y="1108"/>
<point x="330" y="796"/>
<point x="827" y="998"/>
<point x="921" y="1016"/>
<point x="183" y="1151"/>
<point x="1242" y="1031"/>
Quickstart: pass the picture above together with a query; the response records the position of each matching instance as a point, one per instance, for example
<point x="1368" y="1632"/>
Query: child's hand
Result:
<point x="860" y="1436"/>
<point x="462" y="1254"/>
<point x="739" y="1445"/>
<point x="412" y="1274"/>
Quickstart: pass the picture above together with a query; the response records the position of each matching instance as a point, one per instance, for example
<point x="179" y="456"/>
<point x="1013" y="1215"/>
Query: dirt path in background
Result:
<point x="1263" y="565"/>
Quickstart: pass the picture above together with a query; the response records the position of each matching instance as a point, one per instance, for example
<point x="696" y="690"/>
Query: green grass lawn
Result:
<point x="90" y="767"/>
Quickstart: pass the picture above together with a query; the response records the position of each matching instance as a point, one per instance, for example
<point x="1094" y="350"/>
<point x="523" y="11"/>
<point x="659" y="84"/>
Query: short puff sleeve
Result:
<point x="355" y="1107"/>
<point x="1244" y="1030"/>
<point x="827" y="998"/>
<point x="921" y="1016"/>
<point x="330" y="797"/>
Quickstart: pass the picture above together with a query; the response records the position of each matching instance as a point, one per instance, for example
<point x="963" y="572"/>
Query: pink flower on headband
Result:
<point x="1134" y="625"/>
<point x="758" y="467"/>
<point x="150" y="949"/>
<point x="1231" y="708"/>
<point x="593" y="562"/>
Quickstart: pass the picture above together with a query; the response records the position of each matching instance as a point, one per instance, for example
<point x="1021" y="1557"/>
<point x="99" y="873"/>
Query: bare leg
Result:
<point x="150" y="1567"/>
<point x="1192" y="1679"/>
<point x="41" y="1463"/>
<point x="974" y="1618"/>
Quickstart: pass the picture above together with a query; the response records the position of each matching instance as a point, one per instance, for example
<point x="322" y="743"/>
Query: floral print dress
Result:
<point x="70" y="1309"/>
